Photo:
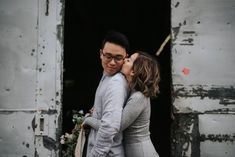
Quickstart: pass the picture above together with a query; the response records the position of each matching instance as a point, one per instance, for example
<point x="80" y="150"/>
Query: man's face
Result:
<point x="112" y="58"/>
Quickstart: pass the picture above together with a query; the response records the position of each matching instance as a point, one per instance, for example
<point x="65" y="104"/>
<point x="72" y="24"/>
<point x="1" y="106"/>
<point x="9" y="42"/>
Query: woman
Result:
<point x="142" y="73"/>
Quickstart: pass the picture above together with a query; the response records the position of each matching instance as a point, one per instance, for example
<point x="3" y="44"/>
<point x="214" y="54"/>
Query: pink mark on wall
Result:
<point x="185" y="71"/>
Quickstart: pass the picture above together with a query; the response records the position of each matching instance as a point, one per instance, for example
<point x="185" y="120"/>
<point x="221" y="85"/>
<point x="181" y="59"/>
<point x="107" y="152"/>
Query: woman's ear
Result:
<point x="132" y="73"/>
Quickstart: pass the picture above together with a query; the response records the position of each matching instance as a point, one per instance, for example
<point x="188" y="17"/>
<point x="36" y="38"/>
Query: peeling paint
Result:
<point x="204" y="99"/>
<point x="189" y="40"/>
<point x="27" y="145"/>
<point x="184" y="133"/>
<point x="175" y="32"/>
<point x="225" y="95"/>
<point x="60" y="32"/>
<point x="47" y="8"/>
<point x="49" y="112"/>
<point x="29" y="69"/>
<point x="59" y="129"/>
<point x="189" y="32"/>
<point x="12" y="111"/>
<point x="177" y="4"/>
<point x="34" y="125"/>
<point x="218" y="138"/>
<point x="36" y="153"/>
<point x="222" y="111"/>
<point x="50" y="143"/>
<point x="186" y="44"/>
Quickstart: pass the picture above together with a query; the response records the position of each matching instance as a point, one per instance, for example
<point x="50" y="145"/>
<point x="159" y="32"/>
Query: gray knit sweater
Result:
<point x="111" y="95"/>
<point x="135" y="118"/>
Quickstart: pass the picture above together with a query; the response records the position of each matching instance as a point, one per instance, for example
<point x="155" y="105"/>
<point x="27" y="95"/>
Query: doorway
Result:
<point x="146" y="24"/>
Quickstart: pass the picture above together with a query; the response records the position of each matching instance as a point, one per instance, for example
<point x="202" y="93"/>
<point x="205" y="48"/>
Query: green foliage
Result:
<point x="69" y="140"/>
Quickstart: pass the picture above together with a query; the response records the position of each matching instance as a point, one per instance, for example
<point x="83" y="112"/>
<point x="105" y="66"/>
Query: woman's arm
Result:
<point x="131" y="111"/>
<point x="92" y="122"/>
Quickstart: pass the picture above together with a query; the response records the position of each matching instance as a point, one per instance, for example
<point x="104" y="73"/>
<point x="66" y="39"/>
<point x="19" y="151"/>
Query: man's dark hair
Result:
<point x="117" y="38"/>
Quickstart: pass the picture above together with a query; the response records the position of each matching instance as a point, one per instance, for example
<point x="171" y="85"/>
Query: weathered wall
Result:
<point x="203" y="62"/>
<point x="30" y="77"/>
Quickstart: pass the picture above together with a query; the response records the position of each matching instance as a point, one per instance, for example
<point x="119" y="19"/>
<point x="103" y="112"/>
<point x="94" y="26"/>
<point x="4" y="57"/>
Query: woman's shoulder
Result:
<point x="137" y="95"/>
<point x="137" y="98"/>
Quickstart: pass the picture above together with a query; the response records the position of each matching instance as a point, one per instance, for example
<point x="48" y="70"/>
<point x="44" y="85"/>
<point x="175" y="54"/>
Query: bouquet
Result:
<point x="69" y="140"/>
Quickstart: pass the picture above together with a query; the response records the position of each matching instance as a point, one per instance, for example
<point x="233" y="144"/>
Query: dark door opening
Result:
<point x="146" y="24"/>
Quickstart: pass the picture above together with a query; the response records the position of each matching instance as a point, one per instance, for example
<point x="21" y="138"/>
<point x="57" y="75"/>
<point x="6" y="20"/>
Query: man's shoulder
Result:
<point x="118" y="79"/>
<point x="118" y="75"/>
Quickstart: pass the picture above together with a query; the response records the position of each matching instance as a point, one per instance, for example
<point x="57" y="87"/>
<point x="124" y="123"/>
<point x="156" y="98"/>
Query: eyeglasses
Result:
<point x="109" y="57"/>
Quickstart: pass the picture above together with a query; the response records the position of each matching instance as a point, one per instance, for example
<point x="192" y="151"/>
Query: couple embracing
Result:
<point x="121" y="113"/>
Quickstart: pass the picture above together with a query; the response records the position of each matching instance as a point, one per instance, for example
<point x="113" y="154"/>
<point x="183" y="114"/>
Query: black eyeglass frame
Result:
<point x="109" y="57"/>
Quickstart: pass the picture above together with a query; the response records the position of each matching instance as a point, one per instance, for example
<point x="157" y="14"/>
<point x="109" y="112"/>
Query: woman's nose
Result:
<point x="125" y="59"/>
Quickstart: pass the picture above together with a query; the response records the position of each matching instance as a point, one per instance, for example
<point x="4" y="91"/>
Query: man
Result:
<point x="110" y="97"/>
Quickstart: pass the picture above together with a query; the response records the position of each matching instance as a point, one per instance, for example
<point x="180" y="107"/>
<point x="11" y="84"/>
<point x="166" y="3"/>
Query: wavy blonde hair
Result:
<point x="146" y="75"/>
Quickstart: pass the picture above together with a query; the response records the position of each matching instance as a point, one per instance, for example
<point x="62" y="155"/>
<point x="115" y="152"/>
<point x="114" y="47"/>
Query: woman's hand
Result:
<point x="84" y="126"/>
<point x="91" y="110"/>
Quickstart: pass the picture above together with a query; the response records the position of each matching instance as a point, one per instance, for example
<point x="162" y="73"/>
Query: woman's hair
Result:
<point x="146" y="75"/>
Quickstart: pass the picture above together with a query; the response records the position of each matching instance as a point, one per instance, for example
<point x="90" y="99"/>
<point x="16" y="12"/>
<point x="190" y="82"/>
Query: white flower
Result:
<point x="62" y="141"/>
<point x="81" y="112"/>
<point x="70" y="136"/>
<point x="62" y="137"/>
<point x="66" y="135"/>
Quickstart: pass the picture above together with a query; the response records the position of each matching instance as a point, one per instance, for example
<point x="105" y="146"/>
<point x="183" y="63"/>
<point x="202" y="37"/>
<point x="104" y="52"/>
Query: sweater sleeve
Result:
<point x="132" y="110"/>
<point x="92" y="122"/>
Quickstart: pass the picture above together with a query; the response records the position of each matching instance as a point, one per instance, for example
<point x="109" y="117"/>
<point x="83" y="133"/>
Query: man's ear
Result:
<point x="101" y="54"/>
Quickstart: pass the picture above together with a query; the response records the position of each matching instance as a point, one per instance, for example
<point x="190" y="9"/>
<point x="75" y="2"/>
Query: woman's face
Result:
<point x="127" y="67"/>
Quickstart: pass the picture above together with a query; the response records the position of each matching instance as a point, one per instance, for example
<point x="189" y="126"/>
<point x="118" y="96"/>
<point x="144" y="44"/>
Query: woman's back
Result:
<point x="136" y="117"/>
<point x="137" y="109"/>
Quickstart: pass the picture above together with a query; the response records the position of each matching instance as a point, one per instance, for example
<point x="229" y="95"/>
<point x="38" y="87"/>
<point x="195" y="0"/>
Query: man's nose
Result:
<point x="113" y="61"/>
